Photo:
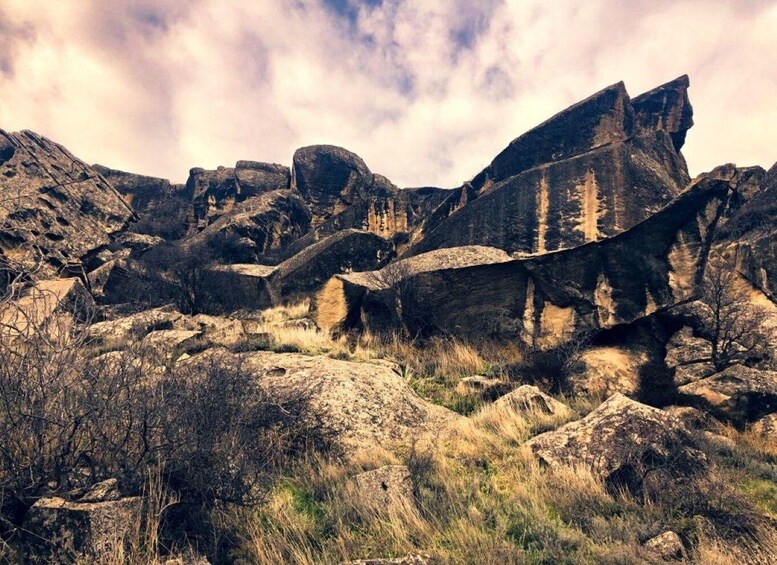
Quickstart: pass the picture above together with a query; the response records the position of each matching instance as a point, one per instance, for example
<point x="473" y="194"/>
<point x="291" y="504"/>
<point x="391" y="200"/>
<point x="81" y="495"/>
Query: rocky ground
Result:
<point x="568" y="359"/>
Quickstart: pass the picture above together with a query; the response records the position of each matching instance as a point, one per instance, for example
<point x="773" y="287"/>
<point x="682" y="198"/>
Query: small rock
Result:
<point x="476" y="384"/>
<point x="103" y="491"/>
<point x="667" y="546"/>
<point x="528" y="398"/>
<point x="385" y="486"/>
<point x="767" y="426"/>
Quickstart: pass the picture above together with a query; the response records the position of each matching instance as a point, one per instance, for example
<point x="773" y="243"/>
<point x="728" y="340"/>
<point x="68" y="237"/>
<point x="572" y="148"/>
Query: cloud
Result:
<point x="426" y="92"/>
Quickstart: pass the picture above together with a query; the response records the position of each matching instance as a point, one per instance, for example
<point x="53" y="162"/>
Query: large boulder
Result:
<point x="53" y="207"/>
<point x="665" y="108"/>
<point x="739" y="393"/>
<point x="257" y="227"/>
<point x="330" y="179"/>
<point x="361" y="406"/>
<point x="548" y="298"/>
<point x="621" y="442"/>
<point x="59" y="531"/>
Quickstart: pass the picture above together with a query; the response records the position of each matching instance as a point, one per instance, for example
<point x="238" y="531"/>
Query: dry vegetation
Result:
<point x="478" y="496"/>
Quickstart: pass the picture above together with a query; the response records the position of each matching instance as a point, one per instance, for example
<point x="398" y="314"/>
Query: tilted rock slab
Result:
<point x="254" y="287"/>
<point x="52" y="205"/>
<point x="141" y="192"/>
<point x="589" y="172"/>
<point x="546" y="297"/>
<point x="621" y="439"/>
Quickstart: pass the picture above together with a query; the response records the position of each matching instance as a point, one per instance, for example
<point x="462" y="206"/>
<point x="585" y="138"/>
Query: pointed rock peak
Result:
<point x="666" y="108"/>
<point x="600" y="119"/>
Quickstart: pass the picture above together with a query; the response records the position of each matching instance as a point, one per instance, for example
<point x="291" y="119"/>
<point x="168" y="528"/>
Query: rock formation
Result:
<point x="655" y="264"/>
<point x="592" y="171"/>
<point x="54" y="208"/>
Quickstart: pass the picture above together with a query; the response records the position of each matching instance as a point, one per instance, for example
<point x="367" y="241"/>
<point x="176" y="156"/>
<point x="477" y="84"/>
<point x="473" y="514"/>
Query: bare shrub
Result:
<point x="730" y="321"/>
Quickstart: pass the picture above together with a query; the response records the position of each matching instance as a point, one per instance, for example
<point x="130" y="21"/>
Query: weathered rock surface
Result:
<point x="61" y="531"/>
<point x="547" y="297"/>
<point x="689" y="356"/>
<point x="385" y="487"/>
<point x="568" y="203"/>
<point x="331" y="178"/>
<point x="667" y="546"/>
<point x="142" y="193"/>
<point x="215" y="192"/>
<point x="620" y="442"/>
<point x="739" y="393"/>
<point x="767" y="427"/>
<point x="53" y="206"/>
<point x="256" y="227"/>
<point x="363" y="405"/>
<point x="591" y="171"/>
<point x="528" y="398"/>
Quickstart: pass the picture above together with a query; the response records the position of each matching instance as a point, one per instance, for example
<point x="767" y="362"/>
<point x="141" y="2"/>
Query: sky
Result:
<point x="427" y="93"/>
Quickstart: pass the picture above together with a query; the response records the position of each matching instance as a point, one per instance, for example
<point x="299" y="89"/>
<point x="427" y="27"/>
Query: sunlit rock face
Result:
<point x="592" y="171"/>
<point x="53" y="207"/>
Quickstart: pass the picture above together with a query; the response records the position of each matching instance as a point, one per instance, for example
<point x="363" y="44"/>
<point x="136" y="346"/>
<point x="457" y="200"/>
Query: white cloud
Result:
<point x="426" y="92"/>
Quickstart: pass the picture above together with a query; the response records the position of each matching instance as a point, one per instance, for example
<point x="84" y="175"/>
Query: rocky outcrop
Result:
<point x="621" y="442"/>
<point x="739" y="393"/>
<point x="331" y="178"/>
<point x="591" y="171"/>
<point x="254" y="287"/>
<point x="142" y="193"/>
<point x="362" y="406"/>
<point x="53" y="207"/>
<point x="215" y="192"/>
<point x="690" y="357"/>
<point x="256" y="227"/>
<point x="546" y="298"/>
<point x="568" y="203"/>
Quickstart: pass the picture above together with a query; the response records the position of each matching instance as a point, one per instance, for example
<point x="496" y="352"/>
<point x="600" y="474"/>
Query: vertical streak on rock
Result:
<point x="590" y="219"/>
<point x="528" y="311"/>
<point x="618" y="197"/>
<point x="542" y="217"/>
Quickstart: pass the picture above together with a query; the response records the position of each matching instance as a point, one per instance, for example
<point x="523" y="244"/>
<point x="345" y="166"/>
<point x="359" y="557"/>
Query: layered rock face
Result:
<point x="590" y="172"/>
<point x="54" y="207"/>
<point x="549" y="297"/>
<point x="215" y="192"/>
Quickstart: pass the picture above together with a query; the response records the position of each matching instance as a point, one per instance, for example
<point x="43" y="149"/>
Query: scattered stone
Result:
<point x="476" y="384"/>
<point x="528" y="398"/>
<point x="59" y="531"/>
<point x="134" y="327"/>
<point x="667" y="546"/>
<point x="385" y="487"/>
<point x="172" y="343"/>
<point x="103" y="491"/>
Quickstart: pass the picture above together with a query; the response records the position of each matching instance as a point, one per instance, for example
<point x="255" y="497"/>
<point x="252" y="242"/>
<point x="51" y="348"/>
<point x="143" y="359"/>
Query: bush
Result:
<point x="68" y="421"/>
